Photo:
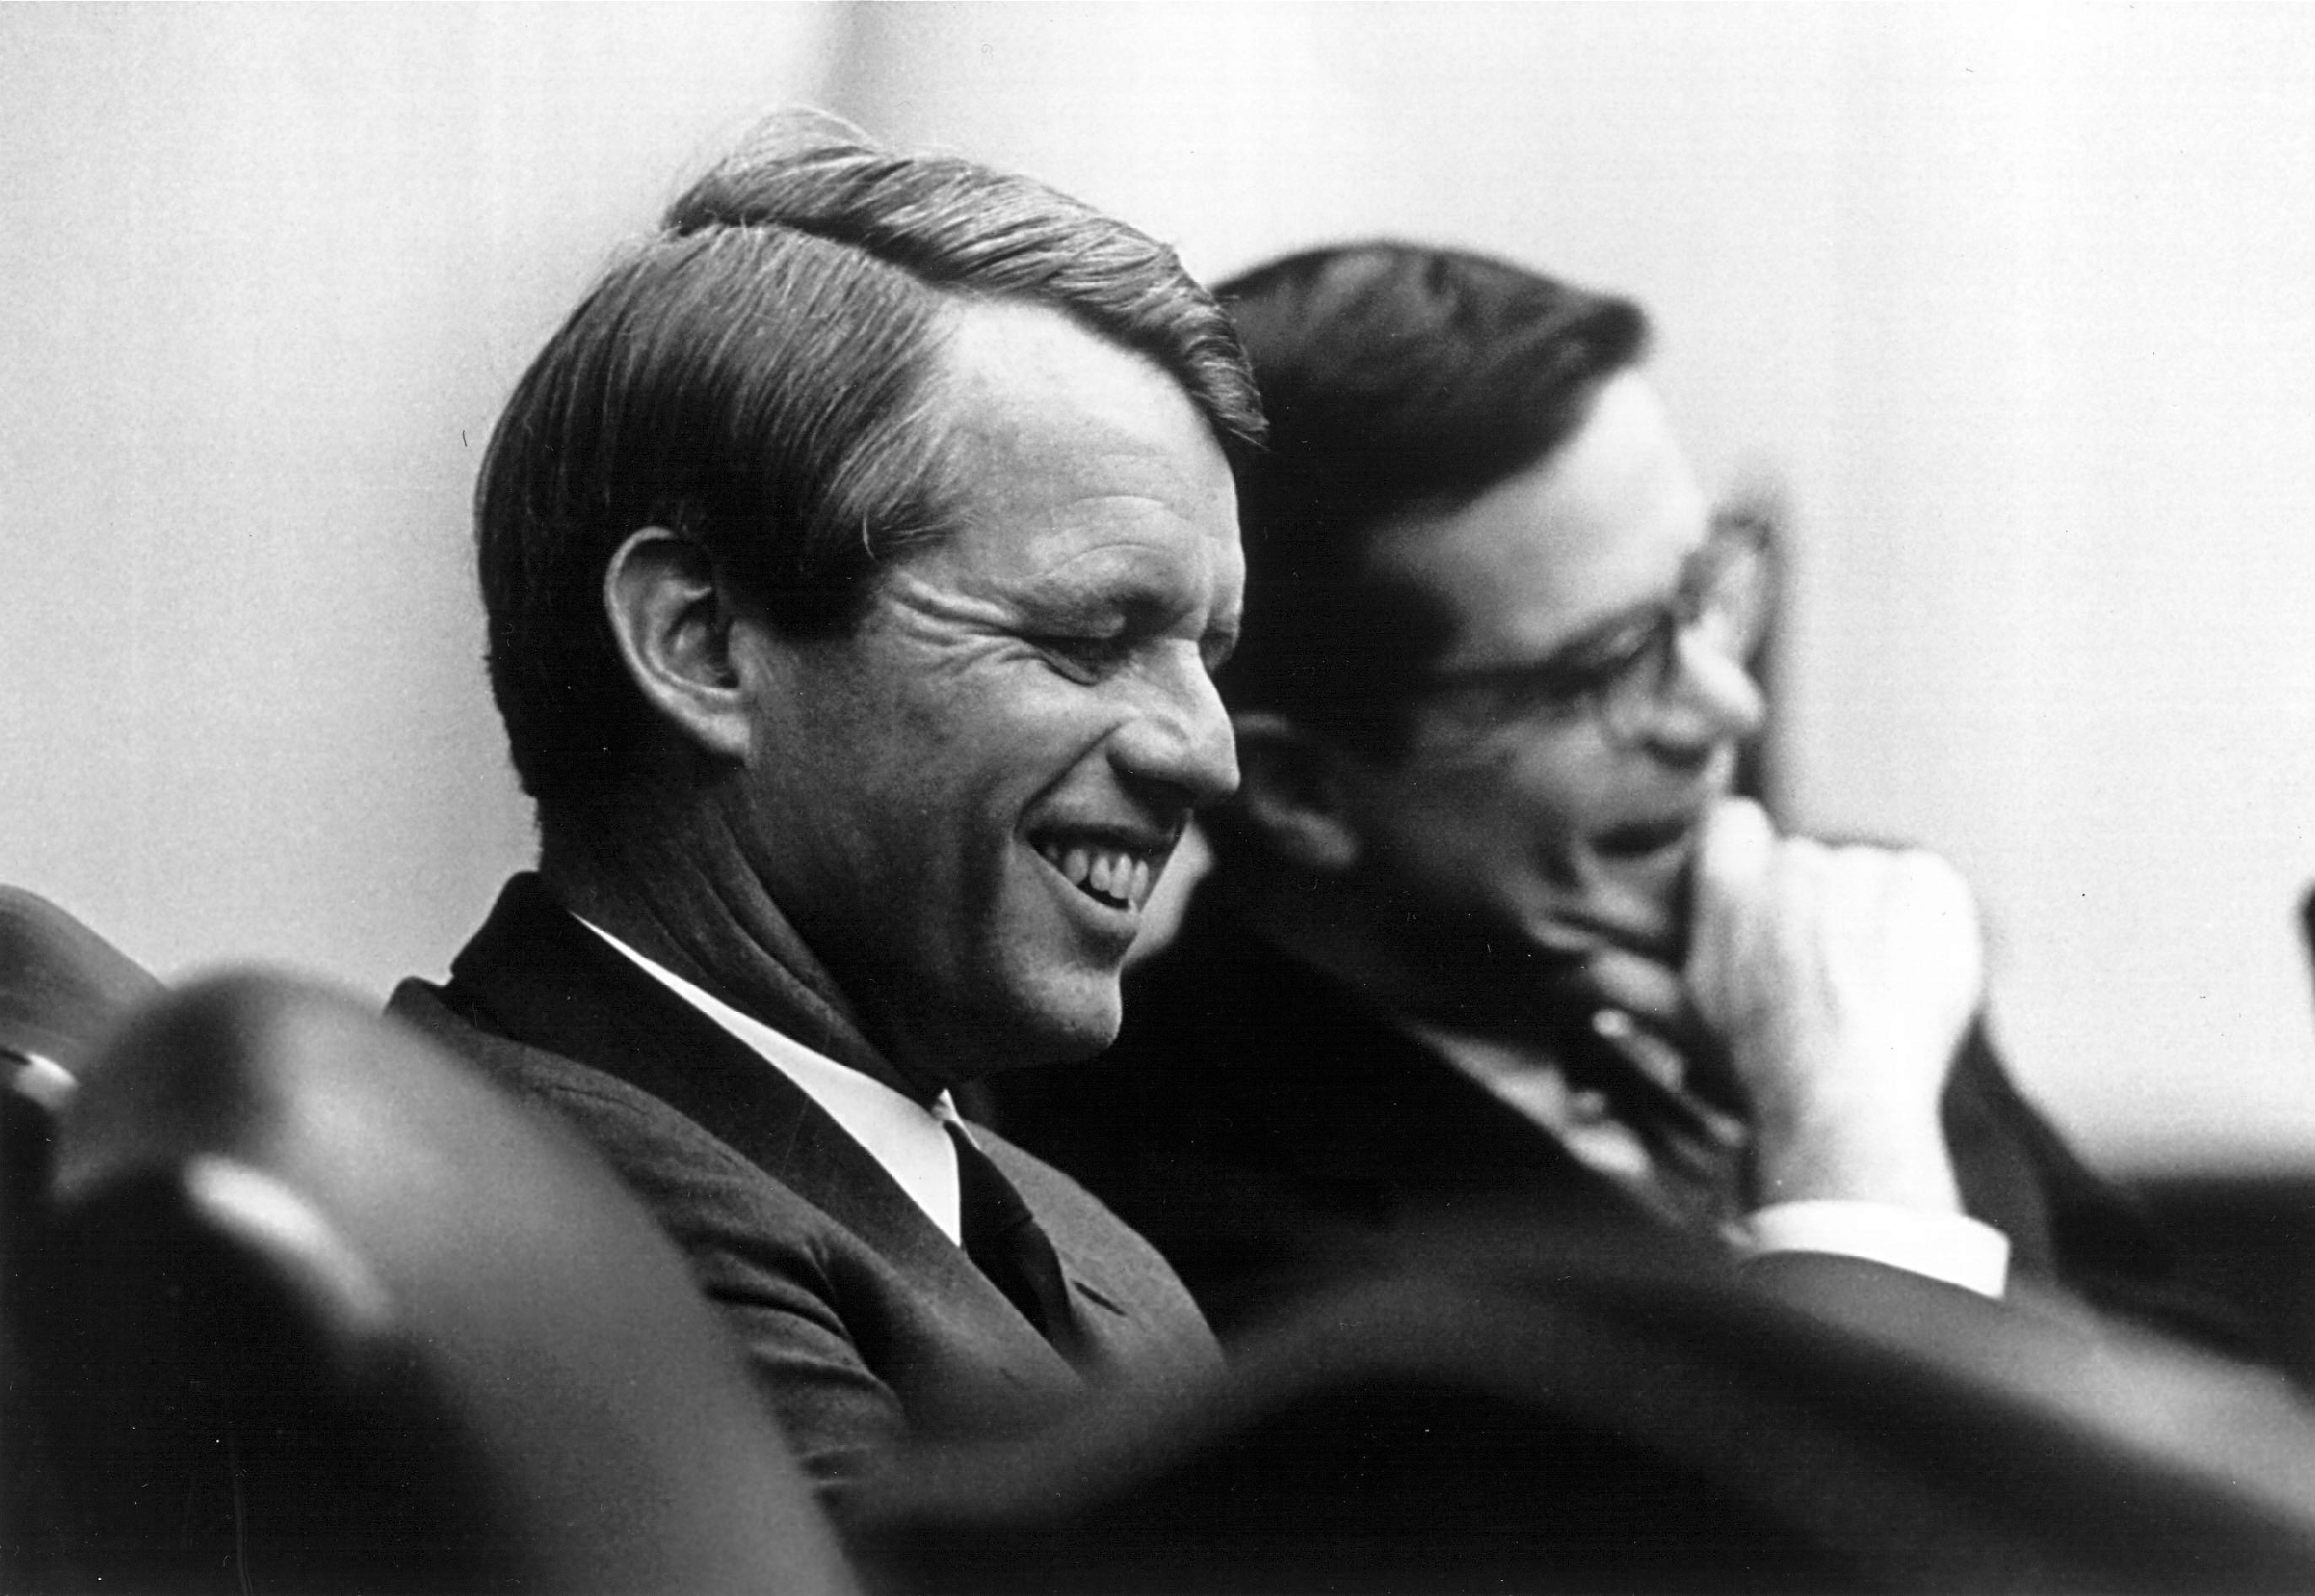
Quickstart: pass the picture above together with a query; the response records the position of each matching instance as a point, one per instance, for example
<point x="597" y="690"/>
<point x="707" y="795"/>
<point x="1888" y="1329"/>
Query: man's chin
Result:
<point x="1056" y="1028"/>
<point x="1069" y="1044"/>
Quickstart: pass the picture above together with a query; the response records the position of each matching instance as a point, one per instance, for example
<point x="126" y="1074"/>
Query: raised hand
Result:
<point x="1841" y="980"/>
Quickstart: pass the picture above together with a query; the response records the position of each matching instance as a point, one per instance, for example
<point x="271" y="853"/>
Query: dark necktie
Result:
<point x="1004" y="1240"/>
<point x="1696" y="1151"/>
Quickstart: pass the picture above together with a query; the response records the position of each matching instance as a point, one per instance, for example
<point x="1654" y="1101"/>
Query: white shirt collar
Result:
<point x="1531" y="1082"/>
<point x="908" y="1138"/>
<point x="1953" y="1247"/>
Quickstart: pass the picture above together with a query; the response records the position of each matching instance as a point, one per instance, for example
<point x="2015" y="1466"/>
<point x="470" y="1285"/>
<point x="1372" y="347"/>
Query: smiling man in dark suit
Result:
<point x="1486" y="926"/>
<point x="855" y="558"/>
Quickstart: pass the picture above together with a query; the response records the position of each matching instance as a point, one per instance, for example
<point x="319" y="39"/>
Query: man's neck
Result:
<point x="676" y="885"/>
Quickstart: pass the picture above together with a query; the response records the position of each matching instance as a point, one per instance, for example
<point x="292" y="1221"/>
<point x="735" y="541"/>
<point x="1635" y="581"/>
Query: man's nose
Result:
<point x="1179" y="736"/>
<point x="1710" y="699"/>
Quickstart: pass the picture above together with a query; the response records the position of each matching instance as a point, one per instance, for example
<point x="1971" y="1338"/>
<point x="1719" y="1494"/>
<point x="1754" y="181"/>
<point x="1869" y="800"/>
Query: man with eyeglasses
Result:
<point x="1486" y="929"/>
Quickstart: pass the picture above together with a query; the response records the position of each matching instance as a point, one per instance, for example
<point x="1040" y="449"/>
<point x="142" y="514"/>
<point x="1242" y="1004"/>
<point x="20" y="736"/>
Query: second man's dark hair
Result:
<point x="1398" y="379"/>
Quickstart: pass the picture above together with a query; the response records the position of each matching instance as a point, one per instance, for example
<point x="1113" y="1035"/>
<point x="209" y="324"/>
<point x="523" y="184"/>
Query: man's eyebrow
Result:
<point x="1568" y="653"/>
<point x="1609" y="627"/>
<point x="1640" y="612"/>
<point x="1078" y="594"/>
<point x="1141" y="600"/>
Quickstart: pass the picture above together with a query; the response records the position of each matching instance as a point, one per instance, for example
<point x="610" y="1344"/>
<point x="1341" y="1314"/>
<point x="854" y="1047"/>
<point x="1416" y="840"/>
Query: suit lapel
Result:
<point x="1382" y="1111"/>
<point x="536" y="974"/>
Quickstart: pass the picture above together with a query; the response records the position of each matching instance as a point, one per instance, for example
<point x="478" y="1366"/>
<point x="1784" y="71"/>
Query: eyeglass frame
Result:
<point x="1620" y="670"/>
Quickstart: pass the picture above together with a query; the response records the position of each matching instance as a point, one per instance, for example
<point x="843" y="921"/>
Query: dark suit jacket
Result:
<point x="1269" y="1130"/>
<point x="862" y="1321"/>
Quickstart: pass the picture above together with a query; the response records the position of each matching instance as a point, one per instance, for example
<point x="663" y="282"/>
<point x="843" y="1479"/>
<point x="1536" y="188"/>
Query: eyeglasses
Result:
<point x="1622" y="670"/>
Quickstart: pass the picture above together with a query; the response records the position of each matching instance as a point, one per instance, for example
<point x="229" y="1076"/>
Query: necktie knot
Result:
<point x="1696" y="1150"/>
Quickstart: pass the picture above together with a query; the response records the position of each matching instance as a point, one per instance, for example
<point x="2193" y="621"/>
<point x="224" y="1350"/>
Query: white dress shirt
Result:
<point x="1952" y="1248"/>
<point x="909" y="1139"/>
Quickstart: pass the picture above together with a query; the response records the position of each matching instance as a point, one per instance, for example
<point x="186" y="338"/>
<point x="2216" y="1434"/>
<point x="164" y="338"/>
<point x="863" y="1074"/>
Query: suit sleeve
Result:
<point x="775" y="1282"/>
<point x="2069" y="1226"/>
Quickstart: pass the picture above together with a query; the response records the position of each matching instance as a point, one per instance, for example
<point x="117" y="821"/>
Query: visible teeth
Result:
<point x="1117" y="875"/>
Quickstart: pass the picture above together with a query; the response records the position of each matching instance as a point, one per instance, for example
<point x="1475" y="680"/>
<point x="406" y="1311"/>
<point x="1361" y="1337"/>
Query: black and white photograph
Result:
<point x="915" y="797"/>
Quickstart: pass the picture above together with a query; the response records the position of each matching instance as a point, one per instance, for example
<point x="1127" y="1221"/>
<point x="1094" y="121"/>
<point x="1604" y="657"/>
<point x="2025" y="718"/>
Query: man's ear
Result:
<point x="674" y="626"/>
<point x="1291" y="791"/>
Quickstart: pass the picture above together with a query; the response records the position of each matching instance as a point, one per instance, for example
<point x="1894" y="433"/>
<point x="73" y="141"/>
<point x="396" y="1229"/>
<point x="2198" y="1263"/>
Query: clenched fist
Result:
<point x="1841" y="980"/>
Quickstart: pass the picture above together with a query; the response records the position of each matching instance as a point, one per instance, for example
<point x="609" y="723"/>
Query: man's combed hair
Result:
<point x="1398" y="380"/>
<point x="760" y="375"/>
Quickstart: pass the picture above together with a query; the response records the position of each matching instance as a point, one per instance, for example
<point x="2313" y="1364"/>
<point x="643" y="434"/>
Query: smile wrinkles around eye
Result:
<point x="1107" y="609"/>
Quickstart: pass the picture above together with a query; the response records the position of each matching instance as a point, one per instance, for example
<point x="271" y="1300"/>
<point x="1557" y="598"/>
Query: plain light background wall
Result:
<point x="271" y="271"/>
<point x="2019" y="303"/>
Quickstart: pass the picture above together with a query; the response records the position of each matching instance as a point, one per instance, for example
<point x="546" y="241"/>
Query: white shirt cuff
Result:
<point x="1944" y="1246"/>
